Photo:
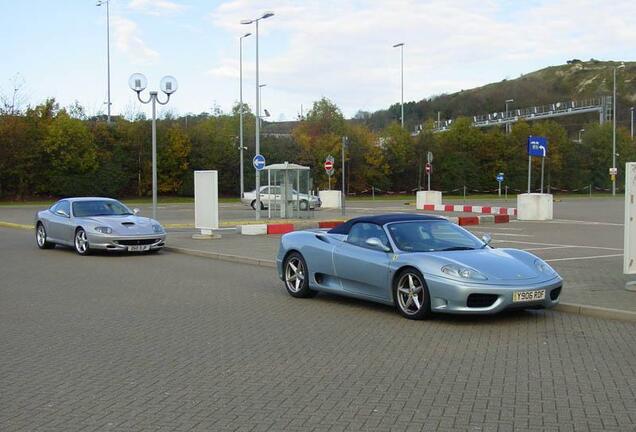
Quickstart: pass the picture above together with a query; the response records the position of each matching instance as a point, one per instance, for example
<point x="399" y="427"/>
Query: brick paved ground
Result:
<point x="171" y="342"/>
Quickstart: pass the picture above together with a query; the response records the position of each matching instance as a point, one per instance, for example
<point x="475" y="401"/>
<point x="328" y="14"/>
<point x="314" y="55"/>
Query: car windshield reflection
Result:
<point x="432" y="236"/>
<point x="100" y="208"/>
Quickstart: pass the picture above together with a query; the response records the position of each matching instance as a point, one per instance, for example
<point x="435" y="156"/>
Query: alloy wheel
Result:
<point x="410" y="293"/>
<point x="81" y="241"/>
<point x="294" y="274"/>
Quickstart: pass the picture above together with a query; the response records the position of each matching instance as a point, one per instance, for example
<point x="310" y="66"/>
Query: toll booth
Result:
<point x="289" y="193"/>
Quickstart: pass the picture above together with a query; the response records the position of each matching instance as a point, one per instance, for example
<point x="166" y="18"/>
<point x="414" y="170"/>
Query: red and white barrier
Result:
<point x="458" y="208"/>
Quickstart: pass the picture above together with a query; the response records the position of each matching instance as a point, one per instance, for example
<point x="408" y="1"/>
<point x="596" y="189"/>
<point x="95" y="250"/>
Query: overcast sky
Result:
<point x="309" y="49"/>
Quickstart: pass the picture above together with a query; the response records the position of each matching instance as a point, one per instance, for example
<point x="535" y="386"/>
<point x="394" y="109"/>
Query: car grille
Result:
<point x="554" y="294"/>
<point x="137" y="242"/>
<point x="481" y="300"/>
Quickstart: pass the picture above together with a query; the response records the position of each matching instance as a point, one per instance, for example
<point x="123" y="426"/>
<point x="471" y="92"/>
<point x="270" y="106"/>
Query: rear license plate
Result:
<point x="528" y="296"/>
<point x="139" y="248"/>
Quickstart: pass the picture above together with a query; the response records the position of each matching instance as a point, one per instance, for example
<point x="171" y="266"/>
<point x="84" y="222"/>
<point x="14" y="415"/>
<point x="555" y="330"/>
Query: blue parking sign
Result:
<point x="500" y="177"/>
<point x="537" y="146"/>
<point x="259" y="162"/>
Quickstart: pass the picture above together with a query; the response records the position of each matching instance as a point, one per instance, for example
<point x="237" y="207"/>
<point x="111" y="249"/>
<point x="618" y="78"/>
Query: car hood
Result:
<point x="124" y="225"/>
<point x="498" y="265"/>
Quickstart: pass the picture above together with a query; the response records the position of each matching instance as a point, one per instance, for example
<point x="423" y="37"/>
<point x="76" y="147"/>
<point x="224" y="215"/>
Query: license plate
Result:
<point x="528" y="296"/>
<point x="139" y="248"/>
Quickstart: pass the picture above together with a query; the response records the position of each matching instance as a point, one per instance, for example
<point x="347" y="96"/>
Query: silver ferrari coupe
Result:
<point x="93" y="223"/>
<point x="419" y="263"/>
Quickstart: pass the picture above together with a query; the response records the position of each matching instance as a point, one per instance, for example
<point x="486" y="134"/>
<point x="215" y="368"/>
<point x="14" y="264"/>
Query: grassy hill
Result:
<point x="572" y="81"/>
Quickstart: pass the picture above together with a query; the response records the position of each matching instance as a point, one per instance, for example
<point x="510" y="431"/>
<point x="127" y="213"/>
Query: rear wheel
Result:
<point x="304" y="205"/>
<point x="254" y="205"/>
<point x="41" y="237"/>
<point x="411" y="295"/>
<point x="297" y="276"/>
<point x="81" y="242"/>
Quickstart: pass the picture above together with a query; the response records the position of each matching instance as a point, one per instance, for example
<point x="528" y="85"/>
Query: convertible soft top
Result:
<point x="382" y="220"/>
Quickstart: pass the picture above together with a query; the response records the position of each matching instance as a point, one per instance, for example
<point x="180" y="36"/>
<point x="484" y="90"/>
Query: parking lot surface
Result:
<point x="171" y="342"/>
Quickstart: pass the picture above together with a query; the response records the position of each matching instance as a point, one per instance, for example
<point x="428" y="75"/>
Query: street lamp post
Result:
<point x="107" y="3"/>
<point x="508" y="128"/>
<point x="258" y="110"/>
<point x="401" y="46"/>
<point x="241" y="106"/>
<point x="614" y="131"/>
<point x="631" y="112"/>
<point x="168" y="84"/>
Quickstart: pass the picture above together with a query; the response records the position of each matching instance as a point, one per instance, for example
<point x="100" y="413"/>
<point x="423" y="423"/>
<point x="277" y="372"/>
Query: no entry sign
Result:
<point x="328" y="165"/>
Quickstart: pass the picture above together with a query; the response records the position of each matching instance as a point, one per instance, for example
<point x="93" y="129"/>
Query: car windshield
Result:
<point x="432" y="236"/>
<point x="100" y="208"/>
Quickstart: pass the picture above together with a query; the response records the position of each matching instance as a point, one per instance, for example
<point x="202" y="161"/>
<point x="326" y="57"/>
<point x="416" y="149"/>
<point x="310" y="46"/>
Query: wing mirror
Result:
<point x="61" y="212"/>
<point x="376" y="243"/>
<point x="487" y="238"/>
<point x="136" y="211"/>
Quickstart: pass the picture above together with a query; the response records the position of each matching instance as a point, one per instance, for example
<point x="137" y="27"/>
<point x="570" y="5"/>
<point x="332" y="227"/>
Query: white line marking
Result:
<point x="574" y="222"/>
<point x="583" y="258"/>
<point x="556" y="244"/>
<point x="503" y="234"/>
<point x="547" y="247"/>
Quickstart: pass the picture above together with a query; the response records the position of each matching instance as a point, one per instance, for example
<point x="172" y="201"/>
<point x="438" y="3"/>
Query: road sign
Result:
<point x="259" y="162"/>
<point x="500" y="177"/>
<point x="537" y="146"/>
<point x="429" y="157"/>
<point x="429" y="168"/>
<point x="613" y="171"/>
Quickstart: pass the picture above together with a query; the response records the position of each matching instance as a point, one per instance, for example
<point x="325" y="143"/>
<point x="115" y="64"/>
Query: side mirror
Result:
<point x="486" y="238"/>
<point x="61" y="212"/>
<point x="135" y="211"/>
<point x="376" y="243"/>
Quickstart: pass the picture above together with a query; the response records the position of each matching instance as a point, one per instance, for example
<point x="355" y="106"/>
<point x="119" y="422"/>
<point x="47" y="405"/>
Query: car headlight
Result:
<point x="104" y="229"/>
<point x="157" y="228"/>
<point x="457" y="271"/>
<point x="543" y="267"/>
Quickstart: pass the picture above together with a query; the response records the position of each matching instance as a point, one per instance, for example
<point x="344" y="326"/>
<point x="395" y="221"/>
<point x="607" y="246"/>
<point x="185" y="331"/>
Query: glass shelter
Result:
<point x="289" y="191"/>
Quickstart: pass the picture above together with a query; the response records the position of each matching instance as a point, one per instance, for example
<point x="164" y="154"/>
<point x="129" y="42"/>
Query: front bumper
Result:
<point x="117" y="243"/>
<point x="448" y="296"/>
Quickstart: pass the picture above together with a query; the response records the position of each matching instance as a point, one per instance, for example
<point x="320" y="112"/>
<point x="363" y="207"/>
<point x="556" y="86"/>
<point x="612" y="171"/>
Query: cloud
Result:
<point x="129" y="41"/>
<point x="155" y="7"/>
<point x="343" y="50"/>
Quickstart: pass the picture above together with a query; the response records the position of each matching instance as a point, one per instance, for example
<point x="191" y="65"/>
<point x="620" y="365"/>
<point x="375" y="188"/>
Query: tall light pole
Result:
<point x="401" y="46"/>
<point x="622" y="65"/>
<point x="241" y="106"/>
<point x="260" y="96"/>
<point x="168" y="84"/>
<point x="508" y="128"/>
<point x="107" y="3"/>
<point x="631" y="114"/>
<point x="258" y="110"/>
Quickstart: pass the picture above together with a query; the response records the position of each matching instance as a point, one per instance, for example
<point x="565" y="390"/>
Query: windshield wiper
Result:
<point x="456" y="248"/>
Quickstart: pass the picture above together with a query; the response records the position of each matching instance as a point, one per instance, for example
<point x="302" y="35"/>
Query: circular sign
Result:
<point x="259" y="162"/>
<point x="328" y="165"/>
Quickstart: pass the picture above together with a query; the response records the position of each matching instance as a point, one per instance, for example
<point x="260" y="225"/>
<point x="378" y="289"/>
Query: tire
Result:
<point x="304" y="205"/>
<point x="80" y="242"/>
<point x="412" y="299"/>
<point x="296" y="276"/>
<point x="253" y="205"/>
<point x="41" y="236"/>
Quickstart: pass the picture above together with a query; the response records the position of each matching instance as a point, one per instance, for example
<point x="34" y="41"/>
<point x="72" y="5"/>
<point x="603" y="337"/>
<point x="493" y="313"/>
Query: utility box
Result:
<point x="330" y="198"/>
<point x="206" y="201"/>
<point x="427" y="197"/>
<point x="629" y="243"/>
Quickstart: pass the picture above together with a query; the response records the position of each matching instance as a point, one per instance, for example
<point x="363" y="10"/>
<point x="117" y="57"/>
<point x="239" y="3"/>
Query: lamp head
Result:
<point x="267" y="14"/>
<point x="510" y="100"/>
<point x="398" y="45"/>
<point x="168" y="84"/>
<point x="137" y="82"/>
<point x="246" y="35"/>
<point x="247" y="21"/>
<point x="101" y="2"/>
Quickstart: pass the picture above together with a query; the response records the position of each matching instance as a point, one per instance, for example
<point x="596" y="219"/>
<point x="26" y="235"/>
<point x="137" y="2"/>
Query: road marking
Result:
<point x="583" y="258"/>
<point x="503" y="234"/>
<point x="574" y="222"/>
<point x="556" y="244"/>
<point x="547" y="247"/>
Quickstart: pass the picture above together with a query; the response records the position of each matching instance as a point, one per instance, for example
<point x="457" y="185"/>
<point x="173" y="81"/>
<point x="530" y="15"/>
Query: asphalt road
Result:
<point x="171" y="342"/>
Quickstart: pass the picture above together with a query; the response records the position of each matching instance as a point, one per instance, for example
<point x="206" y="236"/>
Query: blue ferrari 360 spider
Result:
<point x="419" y="263"/>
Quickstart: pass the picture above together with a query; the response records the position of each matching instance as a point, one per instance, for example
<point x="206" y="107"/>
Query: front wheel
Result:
<point x="411" y="295"/>
<point x="41" y="238"/>
<point x="81" y="242"/>
<point x="297" y="276"/>
<point x="304" y="205"/>
<point x="253" y="205"/>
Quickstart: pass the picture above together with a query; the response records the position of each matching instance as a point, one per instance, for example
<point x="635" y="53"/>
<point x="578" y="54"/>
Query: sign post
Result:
<point x="500" y="178"/>
<point x="537" y="146"/>
<point x="344" y="193"/>
<point x="328" y="165"/>
<point x="429" y="168"/>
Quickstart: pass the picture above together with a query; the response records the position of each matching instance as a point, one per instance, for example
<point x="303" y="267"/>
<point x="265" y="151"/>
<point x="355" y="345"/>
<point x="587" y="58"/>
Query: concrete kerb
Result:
<point x="223" y="257"/>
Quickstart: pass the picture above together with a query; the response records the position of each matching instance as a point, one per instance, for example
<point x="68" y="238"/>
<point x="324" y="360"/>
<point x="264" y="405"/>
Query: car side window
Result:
<point x="66" y="207"/>
<point x="265" y="191"/>
<point x="362" y="231"/>
<point x="54" y="207"/>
